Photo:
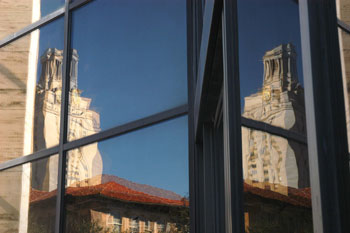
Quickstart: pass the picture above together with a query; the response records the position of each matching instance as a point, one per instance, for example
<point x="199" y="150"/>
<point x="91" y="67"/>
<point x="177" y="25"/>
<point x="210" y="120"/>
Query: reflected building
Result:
<point x="111" y="204"/>
<point x="83" y="164"/>
<point x="111" y="207"/>
<point x="269" y="161"/>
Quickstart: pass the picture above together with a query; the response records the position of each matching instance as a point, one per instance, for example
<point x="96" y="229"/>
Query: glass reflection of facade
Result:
<point x="174" y="116"/>
<point x="86" y="131"/>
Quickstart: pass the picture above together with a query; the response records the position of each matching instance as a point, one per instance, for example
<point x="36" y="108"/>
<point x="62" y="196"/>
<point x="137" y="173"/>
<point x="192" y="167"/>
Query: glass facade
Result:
<point x="275" y="169"/>
<point x="105" y="88"/>
<point x="174" y="116"/>
<point x="142" y="176"/>
<point x="119" y="135"/>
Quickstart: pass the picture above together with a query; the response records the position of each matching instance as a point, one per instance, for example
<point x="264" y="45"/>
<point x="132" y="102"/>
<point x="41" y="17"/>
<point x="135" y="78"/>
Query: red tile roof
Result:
<point x="109" y="190"/>
<point x="297" y="197"/>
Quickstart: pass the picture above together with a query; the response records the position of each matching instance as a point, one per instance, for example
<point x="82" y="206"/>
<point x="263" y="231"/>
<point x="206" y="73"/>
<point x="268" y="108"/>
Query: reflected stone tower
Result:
<point x="83" y="122"/>
<point x="273" y="162"/>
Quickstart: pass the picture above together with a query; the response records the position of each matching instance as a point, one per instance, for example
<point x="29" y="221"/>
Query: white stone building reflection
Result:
<point x="83" y="163"/>
<point x="272" y="162"/>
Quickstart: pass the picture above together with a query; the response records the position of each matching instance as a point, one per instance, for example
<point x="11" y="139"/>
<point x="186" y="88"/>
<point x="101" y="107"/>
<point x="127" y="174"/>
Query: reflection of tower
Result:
<point x="270" y="161"/>
<point x="82" y="122"/>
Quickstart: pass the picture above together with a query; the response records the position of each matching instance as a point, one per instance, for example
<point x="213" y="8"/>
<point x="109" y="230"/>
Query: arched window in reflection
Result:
<point x="114" y="222"/>
<point x="134" y="225"/>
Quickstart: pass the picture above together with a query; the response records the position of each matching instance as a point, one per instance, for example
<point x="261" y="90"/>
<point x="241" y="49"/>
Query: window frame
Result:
<point x="64" y="145"/>
<point x="318" y="25"/>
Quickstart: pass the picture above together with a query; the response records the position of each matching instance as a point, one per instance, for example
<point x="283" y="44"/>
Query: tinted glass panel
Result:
<point x="30" y="87"/>
<point x="28" y="197"/>
<point x="344" y="44"/>
<point x="275" y="169"/>
<point x="133" y="183"/>
<point x="343" y="14"/>
<point x="15" y="15"/>
<point x="127" y="71"/>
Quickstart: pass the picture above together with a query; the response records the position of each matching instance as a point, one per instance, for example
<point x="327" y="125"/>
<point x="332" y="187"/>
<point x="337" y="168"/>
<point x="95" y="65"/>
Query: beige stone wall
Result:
<point x="16" y="64"/>
<point x="14" y="15"/>
<point x="13" y="83"/>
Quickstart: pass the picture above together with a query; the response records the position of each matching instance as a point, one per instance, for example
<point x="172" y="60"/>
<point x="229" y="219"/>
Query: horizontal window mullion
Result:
<point x="29" y="158"/>
<point x="77" y="3"/>
<point x="45" y="20"/>
<point x="278" y="131"/>
<point x="128" y="127"/>
<point x="342" y="25"/>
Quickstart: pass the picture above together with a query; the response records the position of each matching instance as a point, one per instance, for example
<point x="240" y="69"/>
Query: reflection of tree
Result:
<point x="272" y="223"/>
<point x="80" y="224"/>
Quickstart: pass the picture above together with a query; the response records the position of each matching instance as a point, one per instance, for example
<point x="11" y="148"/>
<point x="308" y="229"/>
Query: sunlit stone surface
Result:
<point x="269" y="161"/>
<point x="83" y="163"/>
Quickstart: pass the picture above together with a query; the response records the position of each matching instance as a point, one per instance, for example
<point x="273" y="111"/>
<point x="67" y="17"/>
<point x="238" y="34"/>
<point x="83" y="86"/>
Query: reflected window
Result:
<point x="114" y="222"/>
<point x="148" y="226"/>
<point x="161" y="227"/>
<point x="134" y="225"/>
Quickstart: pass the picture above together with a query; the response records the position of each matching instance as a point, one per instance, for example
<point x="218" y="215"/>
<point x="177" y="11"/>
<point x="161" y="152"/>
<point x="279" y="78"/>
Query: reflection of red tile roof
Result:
<point x="298" y="197"/>
<point x="109" y="190"/>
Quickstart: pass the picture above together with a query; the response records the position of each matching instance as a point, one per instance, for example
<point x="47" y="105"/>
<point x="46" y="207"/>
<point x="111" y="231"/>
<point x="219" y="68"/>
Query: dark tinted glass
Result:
<point x="15" y="15"/>
<point x="344" y="44"/>
<point x="129" y="62"/>
<point x="30" y="90"/>
<point x="28" y="197"/>
<point x="275" y="169"/>
<point x="136" y="182"/>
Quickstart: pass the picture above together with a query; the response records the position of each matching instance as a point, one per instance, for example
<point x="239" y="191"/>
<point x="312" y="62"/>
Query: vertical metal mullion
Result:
<point x="325" y="116"/>
<point x="233" y="177"/>
<point x="209" y="178"/>
<point x="219" y="178"/>
<point x="191" y="74"/>
<point x="200" y="207"/>
<point x="60" y="208"/>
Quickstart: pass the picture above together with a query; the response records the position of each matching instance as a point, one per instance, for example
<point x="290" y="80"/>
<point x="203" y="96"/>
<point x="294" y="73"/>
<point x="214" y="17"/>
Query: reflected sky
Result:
<point x="156" y="155"/>
<point x="51" y="36"/>
<point x="48" y="6"/>
<point x="132" y="57"/>
<point x="276" y="22"/>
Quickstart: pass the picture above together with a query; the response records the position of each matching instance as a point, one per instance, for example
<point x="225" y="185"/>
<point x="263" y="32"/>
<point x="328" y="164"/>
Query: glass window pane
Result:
<point x="124" y="182"/>
<point x="131" y="70"/>
<point x="344" y="44"/>
<point x="15" y="15"/>
<point x="275" y="169"/>
<point x="28" y="197"/>
<point x="30" y="87"/>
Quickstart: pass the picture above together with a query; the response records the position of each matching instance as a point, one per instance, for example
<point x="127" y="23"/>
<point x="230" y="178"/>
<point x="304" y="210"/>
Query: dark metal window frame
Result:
<point x="64" y="146"/>
<point x="326" y="139"/>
